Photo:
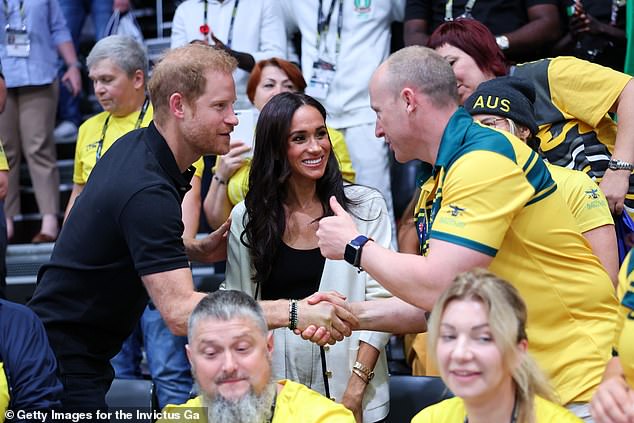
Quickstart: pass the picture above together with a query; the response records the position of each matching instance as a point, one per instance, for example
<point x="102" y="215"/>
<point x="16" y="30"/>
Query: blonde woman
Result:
<point x="477" y="336"/>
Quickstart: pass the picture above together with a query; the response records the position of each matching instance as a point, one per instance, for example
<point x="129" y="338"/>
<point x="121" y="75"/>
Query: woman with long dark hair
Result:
<point x="273" y="253"/>
<point x="231" y="173"/>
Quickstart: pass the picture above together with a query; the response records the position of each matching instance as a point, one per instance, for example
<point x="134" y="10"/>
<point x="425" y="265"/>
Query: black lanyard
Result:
<point x="137" y="125"/>
<point x="204" y="29"/>
<point x="7" y="12"/>
<point x="323" y="24"/>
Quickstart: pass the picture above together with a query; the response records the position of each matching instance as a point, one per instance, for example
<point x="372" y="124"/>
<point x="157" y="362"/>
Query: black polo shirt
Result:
<point x="125" y="224"/>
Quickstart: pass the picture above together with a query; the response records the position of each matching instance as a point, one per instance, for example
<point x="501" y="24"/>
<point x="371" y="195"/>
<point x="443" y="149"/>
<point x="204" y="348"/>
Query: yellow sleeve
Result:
<point x="238" y="184"/>
<point x="343" y="157"/>
<point x="479" y="202"/>
<point x="584" y="197"/>
<point x="78" y="165"/>
<point x="200" y="167"/>
<point x="4" y="164"/>
<point x="571" y="94"/>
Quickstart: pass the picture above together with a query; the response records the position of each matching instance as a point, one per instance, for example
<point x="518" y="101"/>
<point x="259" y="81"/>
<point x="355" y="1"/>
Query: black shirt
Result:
<point x="500" y="16"/>
<point x="125" y="224"/>
<point x="295" y="274"/>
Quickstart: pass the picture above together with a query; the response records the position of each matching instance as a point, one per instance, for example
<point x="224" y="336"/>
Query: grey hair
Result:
<point x="226" y="305"/>
<point x="425" y="70"/>
<point x="124" y="51"/>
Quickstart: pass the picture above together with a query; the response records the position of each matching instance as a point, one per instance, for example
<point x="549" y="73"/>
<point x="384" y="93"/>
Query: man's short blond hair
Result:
<point x="182" y="70"/>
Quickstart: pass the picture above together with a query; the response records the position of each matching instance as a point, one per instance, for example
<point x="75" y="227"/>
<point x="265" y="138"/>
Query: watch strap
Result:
<point x="615" y="164"/>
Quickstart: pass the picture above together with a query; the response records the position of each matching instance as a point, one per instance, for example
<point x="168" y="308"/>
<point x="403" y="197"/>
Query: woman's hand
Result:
<point x="229" y="164"/>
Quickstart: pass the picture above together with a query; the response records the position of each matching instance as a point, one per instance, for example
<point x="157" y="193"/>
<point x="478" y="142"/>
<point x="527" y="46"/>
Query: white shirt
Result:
<point x="258" y="30"/>
<point x="365" y="43"/>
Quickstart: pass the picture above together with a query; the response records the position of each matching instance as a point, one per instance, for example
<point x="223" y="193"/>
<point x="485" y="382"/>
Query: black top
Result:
<point x="500" y="16"/>
<point x="125" y="224"/>
<point x="296" y="274"/>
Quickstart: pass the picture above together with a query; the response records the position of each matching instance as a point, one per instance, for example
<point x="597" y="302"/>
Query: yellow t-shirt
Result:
<point x="624" y="342"/>
<point x="492" y="194"/>
<point x="452" y="410"/>
<point x="239" y="183"/>
<point x="584" y="197"/>
<point x="575" y="129"/>
<point x="90" y="133"/>
<point x="294" y="403"/>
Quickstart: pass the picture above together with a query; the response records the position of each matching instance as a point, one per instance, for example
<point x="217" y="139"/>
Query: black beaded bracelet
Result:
<point x="220" y="181"/>
<point x="292" y="314"/>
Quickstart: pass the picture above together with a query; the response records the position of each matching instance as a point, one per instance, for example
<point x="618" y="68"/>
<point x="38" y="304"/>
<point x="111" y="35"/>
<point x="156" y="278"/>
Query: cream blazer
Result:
<point x="299" y="360"/>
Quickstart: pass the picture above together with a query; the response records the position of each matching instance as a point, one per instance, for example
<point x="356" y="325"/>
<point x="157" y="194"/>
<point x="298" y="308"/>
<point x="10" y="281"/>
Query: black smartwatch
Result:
<point x="353" y="250"/>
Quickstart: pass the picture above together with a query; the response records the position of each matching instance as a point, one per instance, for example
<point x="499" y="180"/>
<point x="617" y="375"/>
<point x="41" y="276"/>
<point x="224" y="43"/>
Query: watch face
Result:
<point x="350" y="254"/>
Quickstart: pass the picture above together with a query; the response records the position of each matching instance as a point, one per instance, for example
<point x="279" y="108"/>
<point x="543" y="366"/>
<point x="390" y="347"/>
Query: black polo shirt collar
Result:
<point x="157" y="144"/>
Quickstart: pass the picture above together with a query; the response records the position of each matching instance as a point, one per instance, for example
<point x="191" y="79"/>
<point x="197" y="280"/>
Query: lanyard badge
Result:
<point x="323" y="75"/>
<point x="324" y="67"/>
<point x="17" y="42"/>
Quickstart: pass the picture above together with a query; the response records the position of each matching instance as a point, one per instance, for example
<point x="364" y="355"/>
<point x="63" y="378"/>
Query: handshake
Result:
<point x="323" y="318"/>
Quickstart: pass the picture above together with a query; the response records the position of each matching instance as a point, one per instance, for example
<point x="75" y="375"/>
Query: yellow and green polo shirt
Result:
<point x="584" y="197"/>
<point x="491" y="193"/>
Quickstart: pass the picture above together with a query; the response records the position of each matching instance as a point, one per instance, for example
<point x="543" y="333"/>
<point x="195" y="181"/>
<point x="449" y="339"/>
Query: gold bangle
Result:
<point x="369" y="374"/>
<point x="361" y="376"/>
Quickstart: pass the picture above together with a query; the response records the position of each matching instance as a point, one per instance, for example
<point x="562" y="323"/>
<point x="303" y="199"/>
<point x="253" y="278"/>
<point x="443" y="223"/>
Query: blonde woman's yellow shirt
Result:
<point x="90" y="134"/>
<point x="453" y="411"/>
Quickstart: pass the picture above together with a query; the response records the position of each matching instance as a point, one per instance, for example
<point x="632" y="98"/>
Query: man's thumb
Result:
<point x="336" y="207"/>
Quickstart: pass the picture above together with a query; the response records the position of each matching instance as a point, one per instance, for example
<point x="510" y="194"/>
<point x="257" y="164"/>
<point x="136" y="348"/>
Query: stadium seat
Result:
<point x="410" y="394"/>
<point x="134" y="396"/>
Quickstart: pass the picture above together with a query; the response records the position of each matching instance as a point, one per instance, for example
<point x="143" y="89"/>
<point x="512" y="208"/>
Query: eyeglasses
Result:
<point x="496" y="122"/>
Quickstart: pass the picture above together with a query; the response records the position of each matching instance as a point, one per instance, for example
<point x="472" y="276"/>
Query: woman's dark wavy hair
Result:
<point x="268" y="180"/>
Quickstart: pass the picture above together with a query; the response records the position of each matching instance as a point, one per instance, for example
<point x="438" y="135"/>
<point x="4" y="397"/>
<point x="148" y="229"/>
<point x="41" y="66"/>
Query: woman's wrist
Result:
<point x="220" y="179"/>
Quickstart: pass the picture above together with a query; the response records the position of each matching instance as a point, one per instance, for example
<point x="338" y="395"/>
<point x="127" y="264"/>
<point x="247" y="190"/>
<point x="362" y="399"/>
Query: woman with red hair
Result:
<point x="574" y="99"/>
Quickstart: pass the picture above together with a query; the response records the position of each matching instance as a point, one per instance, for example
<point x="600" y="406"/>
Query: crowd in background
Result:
<point x="306" y="72"/>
